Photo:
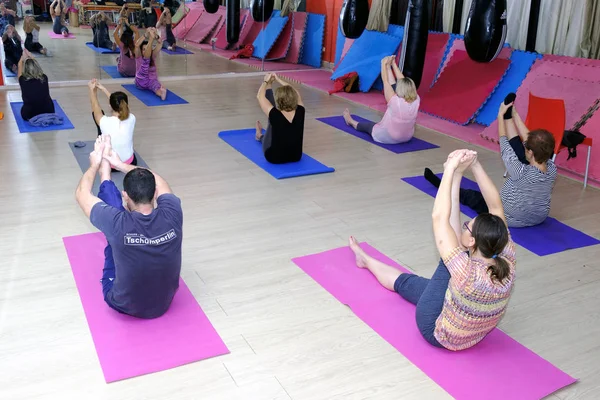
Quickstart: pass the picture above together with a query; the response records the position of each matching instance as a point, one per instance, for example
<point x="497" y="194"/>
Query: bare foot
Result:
<point x="163" y="93"/>
<point x="258" y="131"/>
<point x="170" y="48"/>
<point x="347" y="117"/>
<point x="361" y="256"/>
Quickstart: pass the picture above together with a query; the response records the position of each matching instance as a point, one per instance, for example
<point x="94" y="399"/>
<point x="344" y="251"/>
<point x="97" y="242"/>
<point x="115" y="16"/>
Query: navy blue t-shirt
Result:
<point x="147" y="254"/>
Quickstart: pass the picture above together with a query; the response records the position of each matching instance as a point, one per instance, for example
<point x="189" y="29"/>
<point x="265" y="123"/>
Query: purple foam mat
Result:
<point x="549" y="237"/>
<point x="413" y="145"/>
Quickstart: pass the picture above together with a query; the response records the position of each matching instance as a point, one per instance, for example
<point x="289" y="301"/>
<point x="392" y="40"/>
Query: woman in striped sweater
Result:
<point x="468" y="293"/>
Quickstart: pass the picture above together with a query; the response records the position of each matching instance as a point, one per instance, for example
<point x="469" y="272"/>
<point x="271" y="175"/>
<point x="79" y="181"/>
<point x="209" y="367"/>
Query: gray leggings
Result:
<point x="268" y="136"/>
<point x="366" y="127"/>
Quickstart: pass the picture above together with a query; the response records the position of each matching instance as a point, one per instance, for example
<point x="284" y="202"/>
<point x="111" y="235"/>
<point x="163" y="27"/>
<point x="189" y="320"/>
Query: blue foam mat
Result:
<point x="549" y="237"/>
<point x="267" y="37"/>
<point x="243" y="140"/>
<point x="312" y="49"/>
<point x="520" y="65"/>
<point x="112" y="71"/>
<point x="178" y="51"/>
<point x="364" y="57"/>
<point x="339" y="44"/>
<point x="100" y="50"/>
<point x="152" y="100"/>
<point x="26" y="127"/>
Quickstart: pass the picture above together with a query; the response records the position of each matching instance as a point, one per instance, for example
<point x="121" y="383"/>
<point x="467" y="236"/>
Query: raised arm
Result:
<point x="103" y="89"/>
<point x="521" y="127"/>
<point x="156" y="50"/>
<point x="83" y="193"/>
<point x="488" y="190"/>
<point x="96" y="109"/>
<point x="20" y="64"/>
<point x="264" y="103"/>
<point x="388" y="91"/>
<point x="284" y="83"/>
<point x="138" y="46"/>
<point x="117" y="32"/>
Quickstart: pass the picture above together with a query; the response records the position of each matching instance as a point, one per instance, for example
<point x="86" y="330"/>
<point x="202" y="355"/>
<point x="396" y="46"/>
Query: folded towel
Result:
<point x="44" y="120"/>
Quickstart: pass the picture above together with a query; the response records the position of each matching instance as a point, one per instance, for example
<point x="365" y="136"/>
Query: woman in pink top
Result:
<point x="398" y="123"/>
<point x="125" y="37"/>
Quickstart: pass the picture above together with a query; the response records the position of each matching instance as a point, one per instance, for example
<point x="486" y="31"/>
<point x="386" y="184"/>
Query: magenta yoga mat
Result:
<point x="471" y="374"/>
<point x="128" y="346"/>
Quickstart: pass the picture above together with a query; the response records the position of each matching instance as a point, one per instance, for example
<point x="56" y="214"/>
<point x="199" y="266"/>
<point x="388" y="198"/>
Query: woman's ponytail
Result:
<point x="120" y="104"/>
<point x="123" y="110"/>
<point x="500" y="270"/>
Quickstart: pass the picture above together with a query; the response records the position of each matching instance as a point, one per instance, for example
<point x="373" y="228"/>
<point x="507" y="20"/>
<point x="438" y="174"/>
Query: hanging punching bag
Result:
<point x="353" y="17"/>
<point x="414" y="44"/>
<point x="485" y="31"/>
<point x="211" y="6"/>
<point x="233" y="21"/>
<point x="398" y="12"/>
<point x="262" y="9"/>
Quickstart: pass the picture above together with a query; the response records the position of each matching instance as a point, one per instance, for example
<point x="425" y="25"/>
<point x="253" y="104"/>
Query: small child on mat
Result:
<point x="469" y="291"/>
<point x="282" y="142"/>
<point x="146" y="75"/>
<point x="398" y="123"/>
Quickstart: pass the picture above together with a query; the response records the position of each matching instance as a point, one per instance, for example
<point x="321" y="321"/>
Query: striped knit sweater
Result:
<point x="474" y="303"/>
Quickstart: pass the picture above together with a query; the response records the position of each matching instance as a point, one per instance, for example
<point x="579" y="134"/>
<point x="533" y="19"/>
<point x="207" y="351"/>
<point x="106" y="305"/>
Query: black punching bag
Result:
<point x="262" y="9"/>
<point x="485" y="31"/>
<point x="398" y="12"/>
<point x="353" y="17"/>
<point x="211" y="6"/>
<point x="414" y="43"/>
<point x="233" y="21"/>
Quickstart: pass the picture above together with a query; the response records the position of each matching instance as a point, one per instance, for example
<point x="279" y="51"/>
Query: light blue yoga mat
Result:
<point x="244" y="141"/>
<point x="26" y="127"/>
<point x="152" y="100"/>
<point x="269" y="35"/>
<point x="112" y="71"/>
<point x="101" y="50"/>
<point x="312" y="48"/>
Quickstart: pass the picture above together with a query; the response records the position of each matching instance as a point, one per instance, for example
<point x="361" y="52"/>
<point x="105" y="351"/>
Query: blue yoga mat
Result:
<point x="243" y="140"/>
<point x="520" y="65"/>
<point x="549" y="237"/>
<point x="8" y="73"/>
<point x="112" y="71"/>
<point x="412" y="145"/>
<point x="312" y="48"/>
<point x="100" y="50"/>
<point x="268" y="36"/>
<point x="178" y="50"/>
<point x="26" y="127"/>
<point x="364" y="57"/>
<point x="152" y="100"/>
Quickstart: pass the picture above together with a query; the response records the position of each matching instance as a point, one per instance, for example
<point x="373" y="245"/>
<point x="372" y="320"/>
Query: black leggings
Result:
<point x="366" y="127"/>
<point x="31" y="46"/>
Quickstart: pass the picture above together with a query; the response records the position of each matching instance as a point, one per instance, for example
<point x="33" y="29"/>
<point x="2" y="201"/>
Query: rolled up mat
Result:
<point x="181" y="30"/>
<point x="100" y="49"/>
<point x="152" y="100"/>
<point x="112" y="71"/>
<point x="467" y="374"/>
<point x="412" y="145"/>
<point x="205" y="24"/>
<point x="261" y="10"/>
<point x="233" y="21"/>
<point x="266" y="39"/>
<point x="354" y="16"/>
<point x="243" y="140"/>
<point x="414" y="46"/>
<point x="485" y="30"/>
<point x="549" y="237"/>
<point x="364" y="57"/>
<point x="284" y="41"/>
<point x="128" y="346"/>
<point x="312" y="49"/>
<point x="26" y="127"/>
<point x="463" y="87"/>
<point x="299" y="20"/>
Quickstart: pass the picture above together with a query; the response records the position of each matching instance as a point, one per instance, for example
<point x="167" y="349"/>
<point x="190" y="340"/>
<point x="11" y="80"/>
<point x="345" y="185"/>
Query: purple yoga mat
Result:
<point x="129" y="346"/>
<point x="549" y="237"/>
<point x="497" y="368"/>
<point x="413" y="145"/>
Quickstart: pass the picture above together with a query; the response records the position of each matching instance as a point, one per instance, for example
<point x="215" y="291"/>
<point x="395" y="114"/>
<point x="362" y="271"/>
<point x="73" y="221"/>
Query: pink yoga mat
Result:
<point x="498" y="368"/>
<point x="55" y="36"/>
<point x="128" y="346"/>
<point x="299" y="30"/>
<point x="203" y="27"/>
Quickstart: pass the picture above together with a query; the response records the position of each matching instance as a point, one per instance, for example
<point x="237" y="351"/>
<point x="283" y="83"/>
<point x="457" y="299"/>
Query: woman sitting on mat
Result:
<point x="7" y="17"/>
<point x="527" y="192"/>
<point x="165" y="24"/>
<point x="398" y="122"/>
<point x="469" y="291"/>
<point x="146" y="76"/>
<point x="58" y="10"/>
<point x="13" y="51"/>
<point x="34" y="88"/>
<point x="119" y="126"/>
<point x="125" y="37"/>
<point x="100" y="31"/>
<point x="32" y="36"/>
<point x="282" y="142"/>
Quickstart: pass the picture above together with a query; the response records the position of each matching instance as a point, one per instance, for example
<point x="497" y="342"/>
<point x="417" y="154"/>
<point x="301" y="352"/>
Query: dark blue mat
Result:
<point x="520" y="65"/>
<point x="549" y="237"/>
<point x="26" y="127"/>
<point x="243" y="140"/>
<point x="112" y="71"/>
<point x="312" y="48"/>
<point x="100" y="50"/>
<point x="268" y="36"/>
<point x="412" y="145"/>
<point x="178" y="50"/>
<point x="152" y="100"/>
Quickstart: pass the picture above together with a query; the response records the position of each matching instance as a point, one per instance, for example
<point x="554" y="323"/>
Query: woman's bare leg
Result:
<point x="385" y="274"/>
<point x="511" y="128"/>
<point x="349" y="120"/>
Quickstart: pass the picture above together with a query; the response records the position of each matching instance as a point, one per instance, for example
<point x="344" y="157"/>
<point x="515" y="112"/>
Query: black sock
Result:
<point x="507" y="100"/>
<point x="432" y="178"/>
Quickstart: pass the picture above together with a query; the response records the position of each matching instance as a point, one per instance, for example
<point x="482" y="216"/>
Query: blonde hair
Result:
<point x="286" y="98"/>
<point x="32" y="70"/>
<point x="406" y="89"/>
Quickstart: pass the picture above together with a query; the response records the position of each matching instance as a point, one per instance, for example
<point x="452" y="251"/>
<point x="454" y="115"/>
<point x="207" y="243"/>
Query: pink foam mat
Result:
<point x="252" y="32"/>
<point x="187" y="23"/>
<point x="220" y="25"/>
<point x="299" y="30"/>
<point x="245" y="30"/>
<point x="283" y="42"/>
<point x="128" y="346"/>
<point x="203" y="27"/>
<point x="55" y="36"/>
<point x="436" y="47"/>
<point x="465" y="375"/>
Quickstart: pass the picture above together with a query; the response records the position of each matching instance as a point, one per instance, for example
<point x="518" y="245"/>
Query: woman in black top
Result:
<point x="282" y="142"/>
<point x="12" y="48"/>
<point x="101" y="37"/>
<point x="34" y="88"/>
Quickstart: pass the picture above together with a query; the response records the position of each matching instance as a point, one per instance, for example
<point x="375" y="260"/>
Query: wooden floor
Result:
<point x="289" y="338"/>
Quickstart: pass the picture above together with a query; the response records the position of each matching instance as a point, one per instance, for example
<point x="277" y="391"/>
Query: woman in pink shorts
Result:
<point x="146" y="51"/>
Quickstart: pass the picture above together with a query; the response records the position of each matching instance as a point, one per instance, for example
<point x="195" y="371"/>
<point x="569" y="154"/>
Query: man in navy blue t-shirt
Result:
<point x="143" y="255"/>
